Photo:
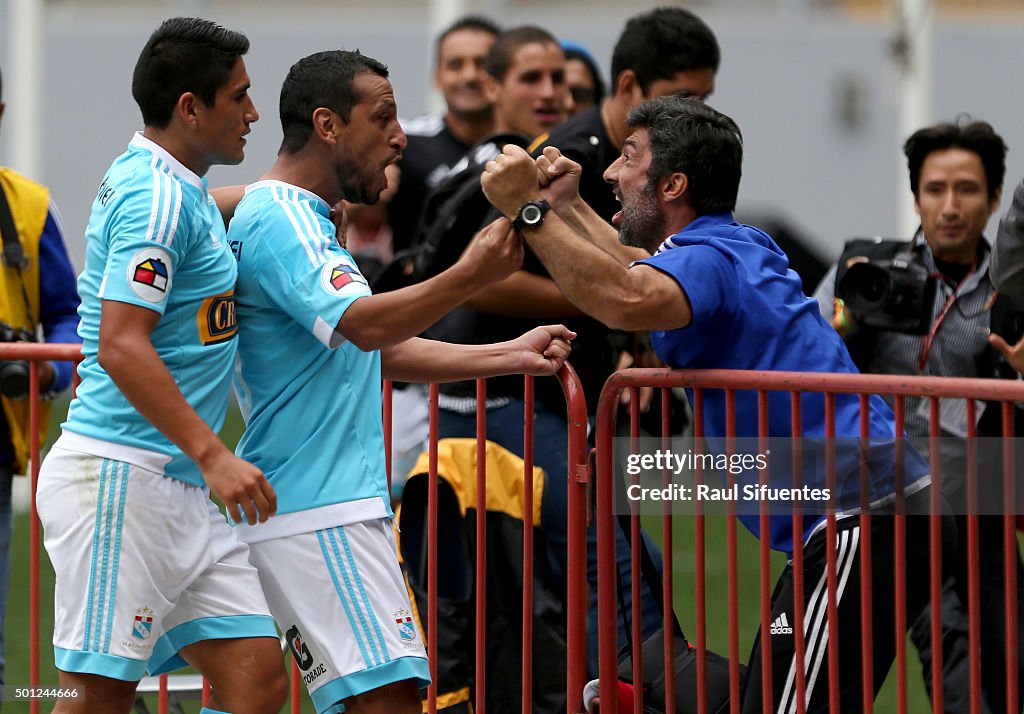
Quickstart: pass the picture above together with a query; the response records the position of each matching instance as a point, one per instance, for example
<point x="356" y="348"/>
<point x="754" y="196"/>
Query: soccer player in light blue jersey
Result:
<point x="149" y="574"/>
<point x="313" y="346"/>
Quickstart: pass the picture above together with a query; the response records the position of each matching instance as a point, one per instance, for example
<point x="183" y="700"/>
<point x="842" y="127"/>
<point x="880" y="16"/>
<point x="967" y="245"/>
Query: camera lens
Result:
<point x="14" y="379"/>
<point x="865" y="288"/>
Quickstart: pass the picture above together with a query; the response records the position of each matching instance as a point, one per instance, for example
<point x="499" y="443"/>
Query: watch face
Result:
<point x="531" y="214"/>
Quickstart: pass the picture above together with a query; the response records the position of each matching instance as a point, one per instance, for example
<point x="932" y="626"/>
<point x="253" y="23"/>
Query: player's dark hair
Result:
<point x="323" y="79"/>
<point x="499" y="59"/>
<point x="184" y="54"/>
<point x="976" y="136"/>
<point x="687" y="136"/>
<point x="661" y="43"/>
<point x="477" y="23"/>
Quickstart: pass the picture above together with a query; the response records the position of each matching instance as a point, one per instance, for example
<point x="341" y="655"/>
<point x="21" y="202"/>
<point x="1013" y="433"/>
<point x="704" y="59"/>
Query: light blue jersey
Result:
<point x="156" y="239"/>
<point x="311" y="399"/>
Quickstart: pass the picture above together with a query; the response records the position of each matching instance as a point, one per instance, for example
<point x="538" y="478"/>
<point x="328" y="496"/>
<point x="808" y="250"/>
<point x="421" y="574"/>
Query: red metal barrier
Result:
<point x="578" y="479"/>
<point x="898" y="387"/>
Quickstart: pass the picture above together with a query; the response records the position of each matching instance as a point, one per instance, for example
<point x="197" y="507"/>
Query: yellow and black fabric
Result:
<point x="506" y="518"/>
<point x="29" y="203"/>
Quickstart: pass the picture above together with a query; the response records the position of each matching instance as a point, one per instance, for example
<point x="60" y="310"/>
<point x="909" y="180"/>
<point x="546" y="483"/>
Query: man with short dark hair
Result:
<point x="313" y="346"/>
<point x="668" y="50"/>
<point x="40" y="292"/>
<point x="719" y="294"/>
<point x="956" y="175"/>
<point x="526" y="81"/>
<point x="149" y="575"/>
<point x="437" y="142"/>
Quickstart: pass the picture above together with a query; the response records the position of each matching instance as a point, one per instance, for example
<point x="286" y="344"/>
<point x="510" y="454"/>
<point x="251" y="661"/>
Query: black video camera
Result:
<point x="895" y="294"/>
<point x="14" y="374"/>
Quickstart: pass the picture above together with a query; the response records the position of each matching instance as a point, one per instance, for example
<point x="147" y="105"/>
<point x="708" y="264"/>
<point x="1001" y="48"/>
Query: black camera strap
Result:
<point x="13" y="255"/>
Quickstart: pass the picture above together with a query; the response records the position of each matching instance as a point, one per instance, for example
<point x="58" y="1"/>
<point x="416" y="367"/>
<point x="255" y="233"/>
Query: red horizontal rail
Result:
<point x="955" y="387"/>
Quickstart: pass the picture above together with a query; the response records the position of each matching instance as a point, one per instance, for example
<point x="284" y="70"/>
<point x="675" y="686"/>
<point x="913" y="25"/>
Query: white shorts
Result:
<point x="340" y="598"/>
<point x="145" y="566"/>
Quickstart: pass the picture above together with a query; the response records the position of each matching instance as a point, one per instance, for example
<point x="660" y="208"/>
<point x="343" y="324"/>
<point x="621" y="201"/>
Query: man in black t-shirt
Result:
<point x="666" y="51"/>
<point x="436" y="143"/>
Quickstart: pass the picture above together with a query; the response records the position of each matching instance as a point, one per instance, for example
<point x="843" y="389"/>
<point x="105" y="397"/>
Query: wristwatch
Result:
<point x="531" y="215"/>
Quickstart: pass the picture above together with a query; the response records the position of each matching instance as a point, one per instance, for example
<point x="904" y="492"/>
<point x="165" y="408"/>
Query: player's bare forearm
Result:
<point x="378" y="321"/>
<point x="423" y="361"/>
<point x="227" y="199"/>
<point x="386" y="319"/>
<point x="541" y="351"/>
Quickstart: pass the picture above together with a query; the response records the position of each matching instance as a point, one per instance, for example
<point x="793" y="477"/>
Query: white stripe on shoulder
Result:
<point x="165" y="213"/>
<point x="174" y="216"/>
<point x="155" y="208"/>
<point x="311" y="222"/>
<point x="282" y="201"/>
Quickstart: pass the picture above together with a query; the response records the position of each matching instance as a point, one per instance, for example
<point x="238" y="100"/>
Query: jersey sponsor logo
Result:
<point x="142" y="627"/>
<point x="338" y="275"/>
<point x="781" y="626"/>
<point x="406" y="627"/>
<point x="300" y="653"/>
<point x="216" y="319"/>
<point x="149" y="274"/>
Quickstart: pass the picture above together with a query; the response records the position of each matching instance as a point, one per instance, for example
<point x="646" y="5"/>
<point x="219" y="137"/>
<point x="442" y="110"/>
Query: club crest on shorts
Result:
<point x="406" y="627"/>
<point x="339" y="274"/>
<point x="149" y="274"/>
<point x="142" y="627"/>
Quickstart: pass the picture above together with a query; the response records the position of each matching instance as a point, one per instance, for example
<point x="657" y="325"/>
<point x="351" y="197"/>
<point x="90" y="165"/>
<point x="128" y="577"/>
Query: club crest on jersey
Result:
<point x="406" y="627"/>
<point x="142" y="627"/>
<point x="216" y="318"/>
<point x="149" y="274"/>
<point x="339" y="274"/>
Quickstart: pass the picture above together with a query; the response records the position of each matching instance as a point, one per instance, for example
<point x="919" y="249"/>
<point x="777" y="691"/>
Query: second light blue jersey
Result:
<point x="311" y="400"/>
<point x="156" y="240"/>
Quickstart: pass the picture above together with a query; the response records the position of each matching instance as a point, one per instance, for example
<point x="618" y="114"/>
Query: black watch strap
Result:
<point x="531" y="214"/>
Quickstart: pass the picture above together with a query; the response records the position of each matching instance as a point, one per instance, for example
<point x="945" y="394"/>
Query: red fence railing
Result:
<point x="1005" y="393"/>
<point x="897" y="388"/>
<point x="576" y="518"/>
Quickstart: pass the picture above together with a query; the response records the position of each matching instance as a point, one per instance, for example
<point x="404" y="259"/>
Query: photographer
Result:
<point x="923" y="308"/>
<point x="36" y="290"/>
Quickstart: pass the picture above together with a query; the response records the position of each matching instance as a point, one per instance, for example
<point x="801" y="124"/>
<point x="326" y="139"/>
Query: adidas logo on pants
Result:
<point x="781" y="626"/>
